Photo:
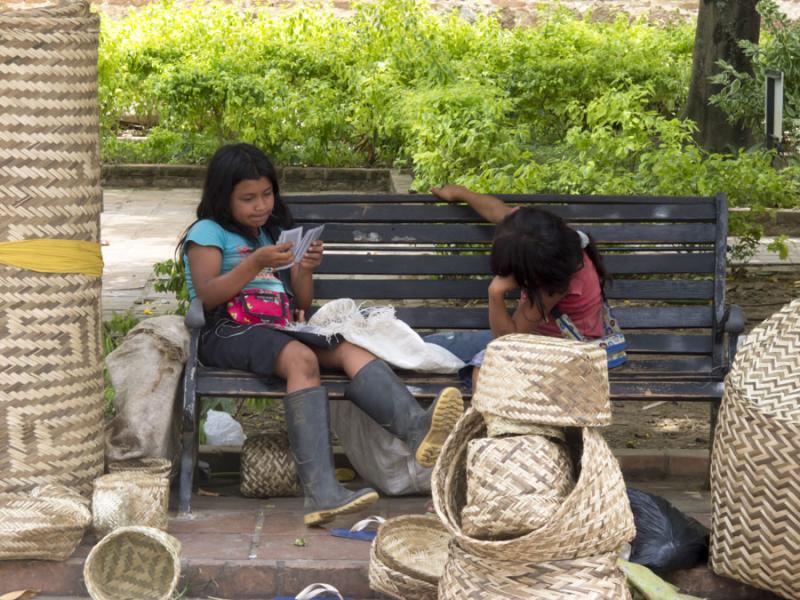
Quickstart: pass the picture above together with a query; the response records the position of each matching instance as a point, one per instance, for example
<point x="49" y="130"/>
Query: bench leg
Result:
<point x="188" y="463"/>
<point x="189" y="430"/>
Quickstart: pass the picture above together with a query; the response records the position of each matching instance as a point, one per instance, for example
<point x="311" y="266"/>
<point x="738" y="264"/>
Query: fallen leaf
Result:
<point x="300" y="542"/>
<point x="20" y="595"/>
<point x="202" y="492"/>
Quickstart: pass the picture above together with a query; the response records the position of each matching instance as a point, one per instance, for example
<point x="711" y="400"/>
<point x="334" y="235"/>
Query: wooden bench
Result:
<point x="429" y="260"/>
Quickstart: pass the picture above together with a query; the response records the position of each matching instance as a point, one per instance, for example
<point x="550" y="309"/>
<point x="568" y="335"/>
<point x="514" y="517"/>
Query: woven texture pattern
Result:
<point x="594" y="518"/>
<point x="47" y="524"/>
<point x="129" y="498"/>
<point x="755" y="467"/>
<point x="408" y="556"/>
<point x="593" y="578"/>
<point x="268" y="468"/>
<point x="133" y="563"/>
<point x="160" y="467"/>
<point x="545" y="381"/>
<point x="50" y="370"/>
<point x="514" y="484"/>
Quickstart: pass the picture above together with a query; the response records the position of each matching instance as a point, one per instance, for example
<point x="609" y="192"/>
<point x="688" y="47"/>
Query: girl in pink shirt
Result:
<point x="557" y="269"/>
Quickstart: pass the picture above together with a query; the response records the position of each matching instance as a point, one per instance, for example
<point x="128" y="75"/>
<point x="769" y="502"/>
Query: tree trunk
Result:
<point x="720" y="25"/>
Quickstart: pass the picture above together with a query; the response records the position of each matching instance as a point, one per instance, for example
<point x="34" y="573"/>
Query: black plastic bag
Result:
<point x="666" y="539"/>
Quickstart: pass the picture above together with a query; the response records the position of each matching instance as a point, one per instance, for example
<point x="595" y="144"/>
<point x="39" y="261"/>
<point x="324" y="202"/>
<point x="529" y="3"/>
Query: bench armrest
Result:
<point x="195" y="318"/>
<point x="734" y="325"/>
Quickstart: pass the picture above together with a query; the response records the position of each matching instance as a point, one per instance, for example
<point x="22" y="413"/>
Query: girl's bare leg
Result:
<point x="298" y="365"/>
<point x="346" y="357"/>
<point x="475" y="371"/>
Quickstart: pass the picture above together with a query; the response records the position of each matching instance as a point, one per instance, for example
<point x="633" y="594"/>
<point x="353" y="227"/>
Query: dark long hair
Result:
<point x="541" y="252"/>
<point x="230" y="165"/>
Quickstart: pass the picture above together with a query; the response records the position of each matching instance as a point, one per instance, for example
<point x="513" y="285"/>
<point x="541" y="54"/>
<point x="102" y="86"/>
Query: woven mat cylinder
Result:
<point x="133" y="563"/>
<point x="594" y="518"/>
<point x="589" y="578"/>
<point x="127" y="499"/>
<point x="51" y="388"/>
<point x="544" y="381"/>
<point x="268" y="468"/>
<point x="407" y="557"/>
<point x="514" y="485"/>
<point x="46" y="524"/>
<point x="755" y="466"/>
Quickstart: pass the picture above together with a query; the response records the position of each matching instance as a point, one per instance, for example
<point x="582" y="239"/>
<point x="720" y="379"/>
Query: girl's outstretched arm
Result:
<point x="490" y="208"/>
<point x="205" y="264"/>
<point x="302" y="275"/>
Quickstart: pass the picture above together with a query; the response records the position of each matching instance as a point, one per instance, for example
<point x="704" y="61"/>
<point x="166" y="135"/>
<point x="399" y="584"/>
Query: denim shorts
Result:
<point x="466" y="345"/>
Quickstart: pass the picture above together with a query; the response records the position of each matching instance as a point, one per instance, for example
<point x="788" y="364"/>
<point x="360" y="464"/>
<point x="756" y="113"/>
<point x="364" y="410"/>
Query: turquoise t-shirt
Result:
<point x="234" y="249"/>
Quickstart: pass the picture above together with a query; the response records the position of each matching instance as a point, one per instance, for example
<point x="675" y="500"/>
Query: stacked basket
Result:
<point x="530" y="496"/>
<point x="51" y="389"/>
<point x="755" y="467"/>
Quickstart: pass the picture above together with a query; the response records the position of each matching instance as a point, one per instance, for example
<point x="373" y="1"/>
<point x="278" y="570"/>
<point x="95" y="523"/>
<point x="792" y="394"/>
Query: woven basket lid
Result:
<point x="766" y="371"/>
<point x="133" y="563"/>
<point x="396" y="584"/>
<point x="594" y="518"/>
<point x="128" y="498"/>
<point x="544" y="380"/>
<point x="153" y="466"/>
<point x="415" y="545"/>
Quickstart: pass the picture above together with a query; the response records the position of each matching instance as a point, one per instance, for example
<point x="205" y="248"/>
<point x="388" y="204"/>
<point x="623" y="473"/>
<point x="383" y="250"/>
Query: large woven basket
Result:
<point x="589" y="578"/>
<point x="544" y="381"/>
<point x="268" y="468"/>
<point x="514" y="485"/>
<point x="160" y="467"/>
<point x="133" y="563"/>
<point x="129" y="498"/>
<point x="408" y="556"/>
<point x="755" y="467"/>
<point x="51" y="391"/>
<point x="47" y="524"/>
<point x="594" y="518"/>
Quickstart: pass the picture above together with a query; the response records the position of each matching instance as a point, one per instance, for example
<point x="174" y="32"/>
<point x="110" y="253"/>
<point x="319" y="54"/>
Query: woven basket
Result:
<point x="51" y="392"/>
<point x="160" y="467"/>
<point x="544" y="381"/>
<point x="268" y="468"/>
<point x="755" y="467"/>
<point x="129" y="498"/>
<point x="590" y="578"/>
<point x="514" y="485"/>
<point x="595" y="518"/>
<point x="46" y="524"/>
<point x="133" y="563"/>
<point x="408" y="556"/>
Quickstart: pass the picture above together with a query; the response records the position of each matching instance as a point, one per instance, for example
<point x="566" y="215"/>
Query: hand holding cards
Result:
<point x="302" y="242"/>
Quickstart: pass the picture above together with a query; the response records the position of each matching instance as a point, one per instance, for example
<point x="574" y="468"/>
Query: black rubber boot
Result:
<point x="379" y="392"/>
<point x="309" y="437"/>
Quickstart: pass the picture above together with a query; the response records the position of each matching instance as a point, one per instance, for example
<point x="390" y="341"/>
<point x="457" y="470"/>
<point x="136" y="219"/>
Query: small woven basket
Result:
<point x="514" y="485"/>
<point x="755" y="466"/>
<point x="544" y="381"/>
<point x="46" y="524"/>
<point x="589" y="578"/>
<point x="268" y="467"/>
<point x="594" y="518"/>
<point x="160" y="467"/>
<point x="133" y="563"/>
<point x="129" y="498"/>
<point x="408" y="556"/>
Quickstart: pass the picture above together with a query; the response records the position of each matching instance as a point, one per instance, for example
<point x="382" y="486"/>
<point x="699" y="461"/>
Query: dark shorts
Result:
<point x="228" y="345"/>
<point x="466" y="345"/>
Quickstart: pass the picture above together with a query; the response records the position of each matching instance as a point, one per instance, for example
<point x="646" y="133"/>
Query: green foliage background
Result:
<point x="566" y="106"/>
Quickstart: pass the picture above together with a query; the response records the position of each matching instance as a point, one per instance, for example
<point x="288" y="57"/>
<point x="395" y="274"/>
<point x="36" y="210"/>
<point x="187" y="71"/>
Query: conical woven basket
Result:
<point x="133" y="563"/>
<point x="594" y="518"/>
<point x="268" y="468"/>
<point x="408" y="556"/>
<point x="514" y="485"/>
<point x="755" y="467"/>
<point x="46" y="524"/>
<point x="589" y="578"/>
<point x="160" y="467"/>
<point x="544" y="381"/>
<point x="129" y="498"/>
<point x="51" y="391"/>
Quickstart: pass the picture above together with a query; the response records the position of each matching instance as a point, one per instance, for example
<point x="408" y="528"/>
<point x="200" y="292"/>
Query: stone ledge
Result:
<point x="296" y="179"/>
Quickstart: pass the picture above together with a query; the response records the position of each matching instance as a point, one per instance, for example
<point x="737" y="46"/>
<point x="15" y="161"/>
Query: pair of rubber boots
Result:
<point x="380" y="393"/>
